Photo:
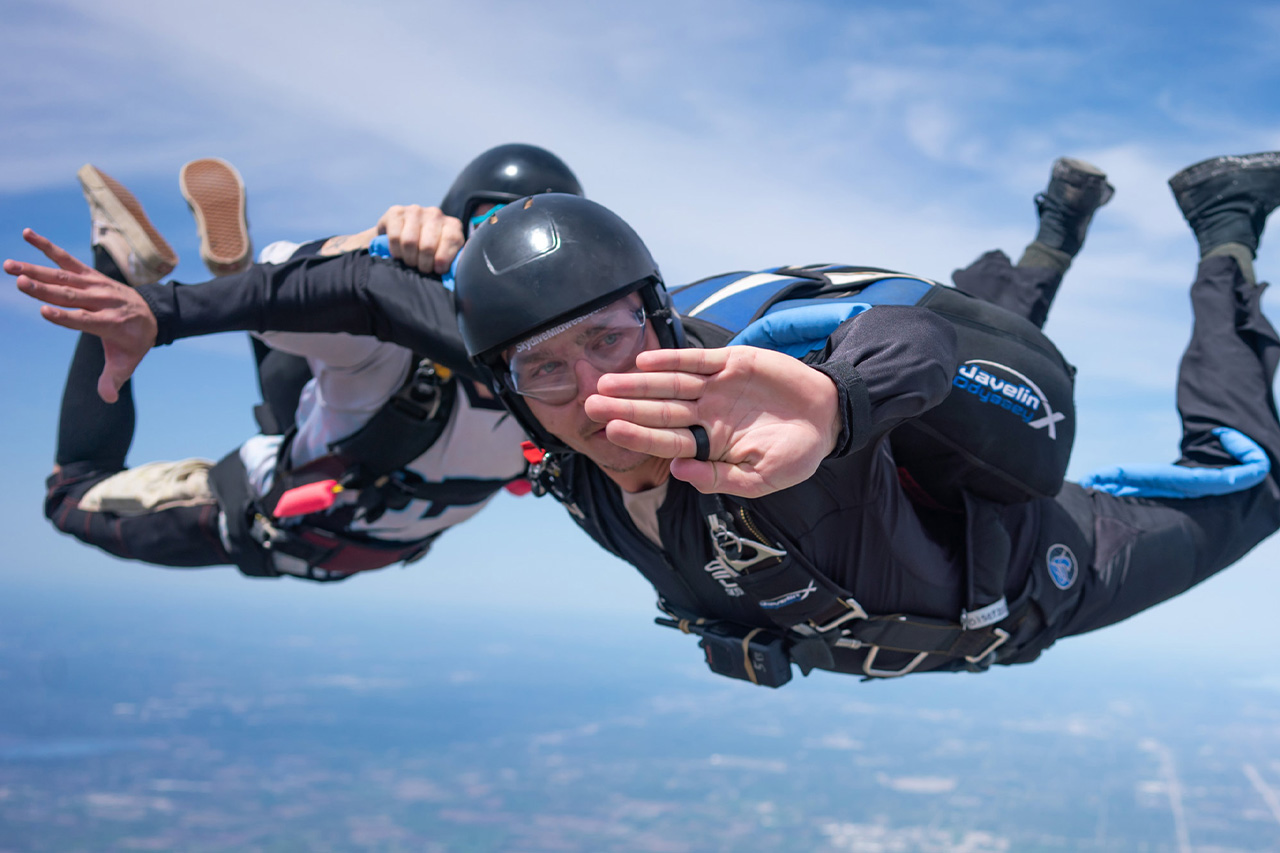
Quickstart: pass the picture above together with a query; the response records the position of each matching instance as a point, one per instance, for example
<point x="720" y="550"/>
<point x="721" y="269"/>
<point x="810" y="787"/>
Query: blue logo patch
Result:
<point x="991" y="383"/>
<point x="1062" y="566"/>
<point x="789" y="598"/>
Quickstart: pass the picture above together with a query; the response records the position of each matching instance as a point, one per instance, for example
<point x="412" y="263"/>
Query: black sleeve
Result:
<point x="889" y="364"/>
<point x="351" y="292"/>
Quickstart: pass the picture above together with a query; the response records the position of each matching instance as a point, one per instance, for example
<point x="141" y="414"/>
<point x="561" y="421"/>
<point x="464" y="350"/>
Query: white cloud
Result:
<point x="918" y="784"/>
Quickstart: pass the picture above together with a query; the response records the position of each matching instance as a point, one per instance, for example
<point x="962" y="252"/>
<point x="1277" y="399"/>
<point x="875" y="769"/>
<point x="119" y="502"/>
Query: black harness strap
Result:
<point x="230" y="485"/>
<point x="394" y="492"/>
<point x="371" y="460"/>
<point x="404" y="428"/>
<point x="819" y="616"/>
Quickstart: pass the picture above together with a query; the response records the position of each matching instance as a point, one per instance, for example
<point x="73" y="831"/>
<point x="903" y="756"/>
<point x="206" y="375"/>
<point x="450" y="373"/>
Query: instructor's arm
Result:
<point x="349" y="293"/>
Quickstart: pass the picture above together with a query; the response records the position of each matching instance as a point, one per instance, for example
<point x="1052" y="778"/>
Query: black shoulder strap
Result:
<point x="404" y="428"/>
<point x="707" y="334"/>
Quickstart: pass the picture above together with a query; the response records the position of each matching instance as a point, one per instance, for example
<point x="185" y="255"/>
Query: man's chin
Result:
<point x="599" y="449"/>
<point x="623" y="466"/>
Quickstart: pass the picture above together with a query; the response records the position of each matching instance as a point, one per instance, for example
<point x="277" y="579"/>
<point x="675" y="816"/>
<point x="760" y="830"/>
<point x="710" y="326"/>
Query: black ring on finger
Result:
<point x="701" y="443"/>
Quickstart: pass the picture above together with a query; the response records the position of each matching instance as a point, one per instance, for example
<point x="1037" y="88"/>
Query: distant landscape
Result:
<point x="131" y="726"/>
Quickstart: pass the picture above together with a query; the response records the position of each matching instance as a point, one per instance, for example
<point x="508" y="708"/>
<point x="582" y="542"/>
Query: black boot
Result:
<point x="1076" y="189"/>
<point x="1227" y="199"/>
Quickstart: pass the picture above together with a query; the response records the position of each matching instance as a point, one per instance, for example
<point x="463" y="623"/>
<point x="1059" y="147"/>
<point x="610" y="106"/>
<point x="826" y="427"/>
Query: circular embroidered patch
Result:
<point x="1062" y="566"/>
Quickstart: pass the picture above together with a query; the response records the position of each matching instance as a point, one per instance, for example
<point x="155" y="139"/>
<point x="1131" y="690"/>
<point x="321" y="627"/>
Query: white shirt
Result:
<point x="353" y="376"/>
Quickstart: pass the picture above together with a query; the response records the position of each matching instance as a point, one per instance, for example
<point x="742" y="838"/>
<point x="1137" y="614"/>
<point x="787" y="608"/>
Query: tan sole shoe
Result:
<point x="215" y="193"/>
<point x="121" y="226"/>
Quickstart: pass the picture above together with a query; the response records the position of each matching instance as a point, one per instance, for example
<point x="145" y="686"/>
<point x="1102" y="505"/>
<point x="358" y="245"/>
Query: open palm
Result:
<point x="771" y="419"/>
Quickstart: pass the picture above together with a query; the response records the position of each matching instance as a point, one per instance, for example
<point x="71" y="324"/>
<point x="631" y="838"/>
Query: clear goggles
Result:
<point x="609" y="339"/>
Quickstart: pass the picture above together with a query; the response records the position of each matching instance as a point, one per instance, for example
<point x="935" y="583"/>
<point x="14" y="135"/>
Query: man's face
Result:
<point x="557" y="372"/>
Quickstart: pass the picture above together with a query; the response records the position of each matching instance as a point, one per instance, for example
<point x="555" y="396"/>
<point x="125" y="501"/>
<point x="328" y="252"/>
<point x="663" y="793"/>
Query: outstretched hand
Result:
<point x="771" y="419"/>
<point x="421" y="237"/>
<point x="90" y="302"/>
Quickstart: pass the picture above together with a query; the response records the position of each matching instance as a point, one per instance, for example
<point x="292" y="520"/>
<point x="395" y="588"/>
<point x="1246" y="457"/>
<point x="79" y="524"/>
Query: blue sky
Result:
<point x="732" y="135"/>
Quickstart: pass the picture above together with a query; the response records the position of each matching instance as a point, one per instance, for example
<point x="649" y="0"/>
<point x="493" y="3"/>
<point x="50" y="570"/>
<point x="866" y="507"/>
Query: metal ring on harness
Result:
<point x="701" y="442"/>
<point x="1002" y="636"/>
<point x="868" y="665"/>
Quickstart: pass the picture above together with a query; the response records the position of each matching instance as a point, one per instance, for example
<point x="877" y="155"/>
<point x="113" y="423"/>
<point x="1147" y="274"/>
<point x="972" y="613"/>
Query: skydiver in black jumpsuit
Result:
<point x="850" y="520"/>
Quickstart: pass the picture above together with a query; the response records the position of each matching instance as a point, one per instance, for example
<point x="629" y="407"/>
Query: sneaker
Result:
<point x="215" y="194"/>
<point x="1227" y="199"/>
<point x="1066" y="207"/>
<point x="122" y="230"/>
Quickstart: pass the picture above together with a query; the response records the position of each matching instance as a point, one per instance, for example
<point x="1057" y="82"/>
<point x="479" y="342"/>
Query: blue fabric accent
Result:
<point x="380" y="247"/>
<point x="688" y="296"/>
<point x="734" y="312"/>
<point x="889" y="291"/>
<point x="895" y="291"/>
<point x="799" y="326"/>
<point x="798" y="330"/>
<point x="447" y="278"/>
<point x="1177" y="481"/>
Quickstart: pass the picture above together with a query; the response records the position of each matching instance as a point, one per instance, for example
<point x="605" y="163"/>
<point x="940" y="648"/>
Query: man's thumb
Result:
<point x="115" y="373"/>
<point x="108" y="388"/>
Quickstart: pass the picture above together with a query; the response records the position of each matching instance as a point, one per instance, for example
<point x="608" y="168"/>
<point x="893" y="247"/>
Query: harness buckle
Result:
<point x="424" y="388"/>
<point x="263" y="531"/>
<point x="544" y="476"/>
<point x="855" y="611"/>
<point x="1002" y="636"/>
<point x="730" y="547"/>
<point x="868" y="665"/>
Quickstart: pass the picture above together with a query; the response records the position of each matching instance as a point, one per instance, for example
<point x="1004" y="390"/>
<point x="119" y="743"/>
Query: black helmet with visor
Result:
<point x="538" y="265"/>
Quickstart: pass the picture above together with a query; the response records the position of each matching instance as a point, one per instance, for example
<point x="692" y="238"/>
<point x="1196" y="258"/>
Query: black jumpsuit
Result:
<point x="1110" y="557"/>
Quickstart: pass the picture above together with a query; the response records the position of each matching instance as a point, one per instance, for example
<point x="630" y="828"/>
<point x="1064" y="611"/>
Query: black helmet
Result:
<point x="543" y="260"/>
<point x="504" y="174"/>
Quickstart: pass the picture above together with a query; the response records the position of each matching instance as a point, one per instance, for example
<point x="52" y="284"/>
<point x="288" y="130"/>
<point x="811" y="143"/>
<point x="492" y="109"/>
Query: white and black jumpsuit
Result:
<point x="476" y="453"/>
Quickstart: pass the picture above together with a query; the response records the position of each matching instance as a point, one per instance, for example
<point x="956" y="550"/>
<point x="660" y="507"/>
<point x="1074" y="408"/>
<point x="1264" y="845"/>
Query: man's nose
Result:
<point x="588" y="376"/>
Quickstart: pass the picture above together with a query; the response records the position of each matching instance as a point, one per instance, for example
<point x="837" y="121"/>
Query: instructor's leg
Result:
<point x="1076" y="190"/>
<point x="93" y="436"/>
<point x="1148" y="551"/>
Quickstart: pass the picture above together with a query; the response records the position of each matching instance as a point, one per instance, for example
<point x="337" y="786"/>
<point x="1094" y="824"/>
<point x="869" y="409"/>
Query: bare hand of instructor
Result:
<point x="89" y="301"/>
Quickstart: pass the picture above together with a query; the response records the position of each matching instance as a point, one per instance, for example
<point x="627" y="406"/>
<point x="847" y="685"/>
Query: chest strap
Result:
<point x="371" y="460"/>
<point x="818" y="616"/>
